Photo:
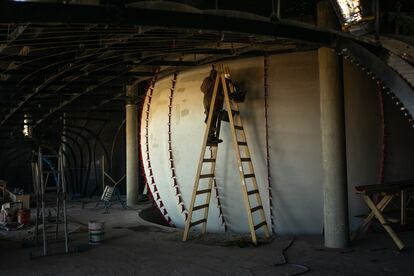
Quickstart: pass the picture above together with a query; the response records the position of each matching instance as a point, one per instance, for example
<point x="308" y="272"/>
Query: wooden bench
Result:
<point x="386" y="193"/>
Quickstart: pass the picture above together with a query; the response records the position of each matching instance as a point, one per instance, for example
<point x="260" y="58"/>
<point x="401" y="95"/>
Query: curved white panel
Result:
<point x="294" y="144"/>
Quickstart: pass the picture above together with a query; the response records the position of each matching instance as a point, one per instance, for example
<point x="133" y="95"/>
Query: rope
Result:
<point x="175" y="186"/>
<point x="150" y="181"/>
<point x="266" y="103"/>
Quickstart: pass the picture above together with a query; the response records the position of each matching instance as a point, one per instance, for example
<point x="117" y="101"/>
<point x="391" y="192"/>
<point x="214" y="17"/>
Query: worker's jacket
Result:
<point x="207" y="87"/>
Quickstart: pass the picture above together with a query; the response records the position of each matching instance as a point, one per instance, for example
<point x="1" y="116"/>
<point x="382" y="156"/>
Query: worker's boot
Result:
<point x="213" y="140"/>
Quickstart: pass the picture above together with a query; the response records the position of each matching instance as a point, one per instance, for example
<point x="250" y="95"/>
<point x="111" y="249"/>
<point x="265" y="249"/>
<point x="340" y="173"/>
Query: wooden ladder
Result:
<point x="244" y="162"/>
<point x="42" y="178"/>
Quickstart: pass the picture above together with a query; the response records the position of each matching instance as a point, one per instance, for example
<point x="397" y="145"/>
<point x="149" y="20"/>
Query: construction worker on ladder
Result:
<point x="207" y="88"/>
<point x="219" y="86"/>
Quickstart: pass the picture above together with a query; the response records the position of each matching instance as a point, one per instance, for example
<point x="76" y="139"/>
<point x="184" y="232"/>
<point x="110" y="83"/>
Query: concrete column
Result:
<point x="332" y="120"/>
<point x="132" y="160"/>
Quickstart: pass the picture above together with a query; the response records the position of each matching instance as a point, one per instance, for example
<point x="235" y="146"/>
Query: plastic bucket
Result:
<point x="96" y="232"/>
<point x="23" y="216"/>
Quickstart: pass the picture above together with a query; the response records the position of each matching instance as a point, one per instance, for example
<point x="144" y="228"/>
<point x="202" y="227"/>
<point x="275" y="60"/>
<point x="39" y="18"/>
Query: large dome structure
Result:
<point x="288" y="174"/>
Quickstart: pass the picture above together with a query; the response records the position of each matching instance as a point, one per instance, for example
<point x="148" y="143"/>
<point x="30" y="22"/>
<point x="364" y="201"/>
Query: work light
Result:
<point x="350" y="10"/>
<point x="352" y="16"/>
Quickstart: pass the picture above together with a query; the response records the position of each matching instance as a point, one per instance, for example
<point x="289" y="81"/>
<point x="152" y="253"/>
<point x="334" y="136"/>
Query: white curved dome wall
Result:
<point x="294" y="144"/>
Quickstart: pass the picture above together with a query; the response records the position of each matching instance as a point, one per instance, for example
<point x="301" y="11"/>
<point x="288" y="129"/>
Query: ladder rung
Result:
<point x="209" y="160"/>
<point x="200" y="207"/>
<point x="256" y="208"/>
<point x="252" y="192"/>
<point x="205" y="191"/>
<point x="242" y="143"/>
<point x="206" y="175"/>
<point x="245" y="159"/>
<point x="249" y="175"/>
<point x="238" y="127"/>
<point x="235" y="112"/>
<point x="50" y="232"/>
<point x="198" y="222"/>
<point x="259" y="225"/>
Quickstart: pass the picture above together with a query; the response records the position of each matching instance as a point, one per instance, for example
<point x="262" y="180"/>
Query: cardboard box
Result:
<point x="25" y="199"/>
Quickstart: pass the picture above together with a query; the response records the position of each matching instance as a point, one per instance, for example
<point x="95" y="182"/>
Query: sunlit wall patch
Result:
<point x="27" y="126"/>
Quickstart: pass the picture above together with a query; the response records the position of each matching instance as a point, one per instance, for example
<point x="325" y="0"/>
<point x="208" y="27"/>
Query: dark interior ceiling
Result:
<point x="66" y="58"/>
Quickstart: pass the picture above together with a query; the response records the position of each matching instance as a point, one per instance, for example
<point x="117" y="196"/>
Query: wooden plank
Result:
<point x="210" y="175"/>
<point x="391" y="187"/>
<point x="252" y="192"/>
<point x="209" y="160"/>
<point x="263" y="223"/>
<point x="198" y="222"/>
<point x="254" y="209"/>
<point x="200" y="207"/>
<point x="205" y="191"/>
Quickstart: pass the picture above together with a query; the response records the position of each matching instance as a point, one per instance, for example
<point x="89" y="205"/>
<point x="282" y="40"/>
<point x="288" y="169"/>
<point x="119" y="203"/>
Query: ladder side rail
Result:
<point x="63" y="192"/>
<point x="202" y="155"/>
<point x="42" y="189"/>
<point x="239" y="163"/>
<point x="210" y="187"/>
<point x="247" y="154"/>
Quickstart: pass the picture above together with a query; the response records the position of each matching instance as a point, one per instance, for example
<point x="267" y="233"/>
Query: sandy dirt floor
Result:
<point x="136" y="247"/>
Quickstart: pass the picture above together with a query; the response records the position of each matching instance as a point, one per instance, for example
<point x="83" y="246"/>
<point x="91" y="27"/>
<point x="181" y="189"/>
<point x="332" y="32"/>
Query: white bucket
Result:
<point x="96" y="232"/>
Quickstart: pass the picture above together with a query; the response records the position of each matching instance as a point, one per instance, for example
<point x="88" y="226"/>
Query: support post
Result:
<point x="332" y="122"/>
<point x="376" y="12"/>
<point x="131" y="129"/>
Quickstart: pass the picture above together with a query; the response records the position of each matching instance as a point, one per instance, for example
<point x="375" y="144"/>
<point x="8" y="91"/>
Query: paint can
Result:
<point x="96" y="232"/>
<point x="23" y="216"/>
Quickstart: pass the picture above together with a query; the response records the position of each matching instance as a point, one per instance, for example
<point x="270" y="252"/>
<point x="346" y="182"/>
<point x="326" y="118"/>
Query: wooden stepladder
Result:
<point x="50" y="189"/>
<point x="203" y="184"/>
